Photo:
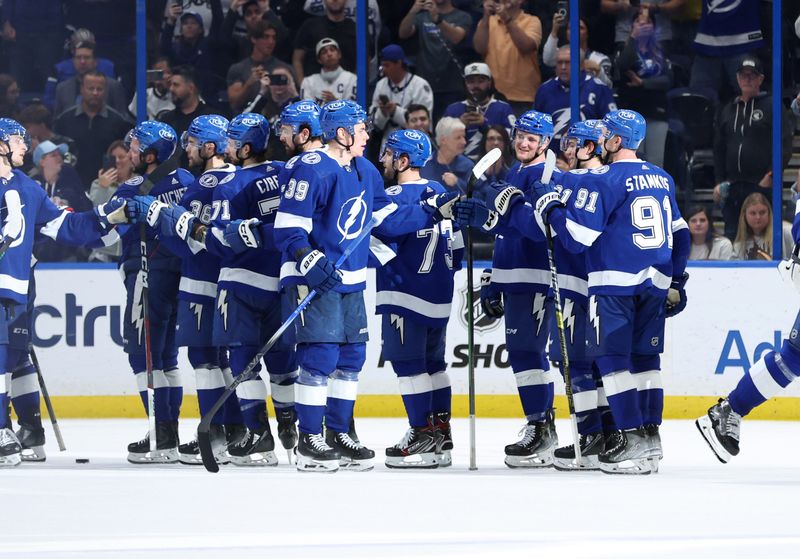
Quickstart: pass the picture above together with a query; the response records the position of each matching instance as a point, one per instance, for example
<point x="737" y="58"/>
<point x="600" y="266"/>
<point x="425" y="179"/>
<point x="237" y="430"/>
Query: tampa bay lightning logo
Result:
<point x="352" y="217"/>
<point x="209" y="181"/>
<point x="135" y="181"/>
<point x="722" y="6"/>
<point x="394" y="190"/>
<point x="311" y="158"/>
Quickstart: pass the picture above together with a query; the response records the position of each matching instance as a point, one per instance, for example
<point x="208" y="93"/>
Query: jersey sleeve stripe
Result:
<point x="584" y="235"/>
<point x="381" y="251"/>
<point x="626" y="279"/>
<point x="197" y="287"/>
<point x="384" y="212"/>
<point x="50" y="229"/>
<point x="679" y="224"/>
<point x="458" y="240"/>
<point x="110" y="238"/>
<point x="250" y="278"/>
<point x="412" y="303"/>
<point x="13" y="284"/>
<point x="286" y="221"/>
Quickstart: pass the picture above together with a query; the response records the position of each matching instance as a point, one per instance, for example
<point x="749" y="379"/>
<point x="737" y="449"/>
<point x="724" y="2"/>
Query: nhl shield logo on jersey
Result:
<point x="483" y="323"/>
<point x="352" y="217"/>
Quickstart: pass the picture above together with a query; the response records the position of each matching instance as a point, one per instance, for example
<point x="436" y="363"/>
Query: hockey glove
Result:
<point x="547" y="198"/>
<point x="499" y="196"/>
<point x="789" y="269"/>
<point x="174" y="221"/>
<point x="243" y="234"/>
<point x="139" y="209"/>
<point x="676" y="296"/>
<point x="491" y="296"/>
<point x="471" y="212"/>
<point x="112" y="212"/>
<point x="441" y="205"/>
<point x="319" y="272"/>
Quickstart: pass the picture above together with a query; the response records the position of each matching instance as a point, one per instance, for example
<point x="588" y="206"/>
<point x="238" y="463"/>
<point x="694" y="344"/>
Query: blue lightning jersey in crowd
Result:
<point x="625" y="217"/>
<point x="417" y="281"/>
<point x="169" y="190"/>
<point x="495" y="112"/>
<point x="252" y="191"/>
<point x="26" y="211"/>
<point x="595" y="98"/>
<point x="519" y="264"/>
<point x="199" y="268"/>
<point x="728" y="27"/>
<point x="326" y="205"/>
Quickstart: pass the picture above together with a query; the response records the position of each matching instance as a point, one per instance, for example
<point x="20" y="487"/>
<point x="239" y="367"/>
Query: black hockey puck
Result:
<point x="81" y="460"/>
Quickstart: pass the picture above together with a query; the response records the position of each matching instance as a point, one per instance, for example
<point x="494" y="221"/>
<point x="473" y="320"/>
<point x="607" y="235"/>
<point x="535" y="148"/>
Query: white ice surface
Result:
<point x="695" y="507"/>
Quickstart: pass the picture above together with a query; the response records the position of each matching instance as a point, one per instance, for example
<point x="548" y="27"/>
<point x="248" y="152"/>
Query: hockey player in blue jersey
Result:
<point x="414" y="295"/>
<point x="328" y="197"/>
<point x="768" y="377"/>
<point x="298" y="128"/>
<point x="26" y="211"/>
<point x="637" y="244"/>
<point x="150" y="144"/>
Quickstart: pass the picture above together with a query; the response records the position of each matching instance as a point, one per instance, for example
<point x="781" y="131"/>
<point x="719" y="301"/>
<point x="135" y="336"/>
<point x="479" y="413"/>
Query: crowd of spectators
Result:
<point x="461" y="71"/>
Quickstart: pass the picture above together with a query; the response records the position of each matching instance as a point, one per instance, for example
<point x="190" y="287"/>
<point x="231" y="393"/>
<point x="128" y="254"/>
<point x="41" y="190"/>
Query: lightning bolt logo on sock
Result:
<point x="398" y="322"/>
<point x="137" y="308"/>
<point x="302" y="293"/>
<point x="594" y="318"/>
<point x="539" y="310"/>
<point x="222" y="307"/>
<point x="197" y="309"/>
<point x="569" y="318"/>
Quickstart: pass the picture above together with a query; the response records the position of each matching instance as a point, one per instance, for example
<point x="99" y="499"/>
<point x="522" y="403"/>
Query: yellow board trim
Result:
<point x="382" y="405"/>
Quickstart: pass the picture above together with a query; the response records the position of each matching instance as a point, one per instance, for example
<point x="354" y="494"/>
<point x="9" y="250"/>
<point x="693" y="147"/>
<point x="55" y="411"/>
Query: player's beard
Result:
<point x="389" y="173"/>
<point x="141" y="168"/>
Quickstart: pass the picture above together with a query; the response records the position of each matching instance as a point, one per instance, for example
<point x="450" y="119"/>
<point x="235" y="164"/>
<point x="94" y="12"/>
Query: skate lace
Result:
<point x="7" y="436"/>
<point x="732" y="424"/>
<point x="407" y="439"/>
<point x="347" y="441"/>
<point x="246" y="441"/>
<point x="318" y="442"/>
<point x="528" y="434"/>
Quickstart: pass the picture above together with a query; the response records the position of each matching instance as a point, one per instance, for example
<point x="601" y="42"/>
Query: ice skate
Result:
<point x="655" y="440"/>
<point x="631" y="455"/>
<point x="720" y="428"/>
<point x="32" y="443"/>
<point x="535" y="448"/>
<point x="234" y="432"/>
<point x="591" y="446"/>
<point x="255" y="449"/>
<point x="166" y="447"/>
<point x="353" y="455"/>
<point x="287" y="429"/>
<point x="417" y="449"/>
<point x="313" y="454"/>
<point x="189" y="453"/>
<point x="441" y="421"/>
<point x="10" y="449"/>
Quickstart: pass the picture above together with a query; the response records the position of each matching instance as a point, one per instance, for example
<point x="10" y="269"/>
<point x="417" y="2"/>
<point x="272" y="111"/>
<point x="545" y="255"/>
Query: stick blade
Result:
<point x="485" y="162"/>
<point x="206" y="452"/>
<point x="549" y="166"/>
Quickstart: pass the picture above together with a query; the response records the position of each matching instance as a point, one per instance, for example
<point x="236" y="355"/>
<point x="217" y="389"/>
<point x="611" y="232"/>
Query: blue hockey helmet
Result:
<point x="154" y="136"/>
<point x="299" y="114"/>
<point x="10" y="127"/>
<point x="208" y="129"/>
<point x="629" y="125"/>
<point x="412" y="143"/>
<point x="534" y="122"/>
<point x="341" y="114"/>
<point x="249" y="128"/>
<point x="584" y="131"/>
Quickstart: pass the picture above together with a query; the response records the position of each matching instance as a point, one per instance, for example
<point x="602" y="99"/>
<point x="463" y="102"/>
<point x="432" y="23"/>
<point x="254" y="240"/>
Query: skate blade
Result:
<point x="257" y="459"/>
<point x="33" y="454"/>
<point x="196" y="460"/>
<point x="587" y="464"/>
<point x="351" y="465"/>
<point x="10" y="461"/>
<point x="706" y="429"/>
<point x="317" y="466"/>
<point x="532" y="461"/>
<point x="653" y="462"/>
<point x="445" y="459"/>
<point x="639" y="467"/>
<point x="169" y="456"/>
<point x="423" y="461"/>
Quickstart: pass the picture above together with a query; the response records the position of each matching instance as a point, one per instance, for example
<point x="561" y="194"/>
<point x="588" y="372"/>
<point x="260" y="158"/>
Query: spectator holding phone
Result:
<point x="332" y="82"/>
<point x="244" y="77"/>
<point x="277" y="90"/>
<point x="117" y="168"/>
<point x="626" y="12"/>
<point x="159" y="100"/>
<point x="595" y="63"/>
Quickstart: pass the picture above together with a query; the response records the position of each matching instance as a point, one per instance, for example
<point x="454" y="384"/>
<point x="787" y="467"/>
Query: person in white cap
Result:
<point x="332" y="82"/>
<point x="480" y="109"/>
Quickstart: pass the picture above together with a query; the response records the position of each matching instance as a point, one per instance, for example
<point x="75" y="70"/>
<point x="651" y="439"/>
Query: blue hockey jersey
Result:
<point x="252" y="191"/>
<point x="519" y="263"/>
<point x="169" y="190"/>
<point x="625" y="217"/>
<point x="417" y="282"/>
<point x="26" y="210"/>
<point x="728" y="28"/>
<point x="495" y="112"/>
<point x="199" y="268"/>
<point x="326" y="205"/>
<point x="595" y="99"/>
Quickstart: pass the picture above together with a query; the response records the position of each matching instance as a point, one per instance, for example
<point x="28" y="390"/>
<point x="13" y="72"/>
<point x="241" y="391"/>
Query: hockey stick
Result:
<point x="203" y="436"/>
<point x="46" y="396"/>
<point x="549" y="166"/>
<point x="477" y="172"/>
<point x="159" y="173"/>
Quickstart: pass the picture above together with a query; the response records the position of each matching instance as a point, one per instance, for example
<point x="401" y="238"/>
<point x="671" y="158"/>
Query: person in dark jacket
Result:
<point x="742" y="140"/>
